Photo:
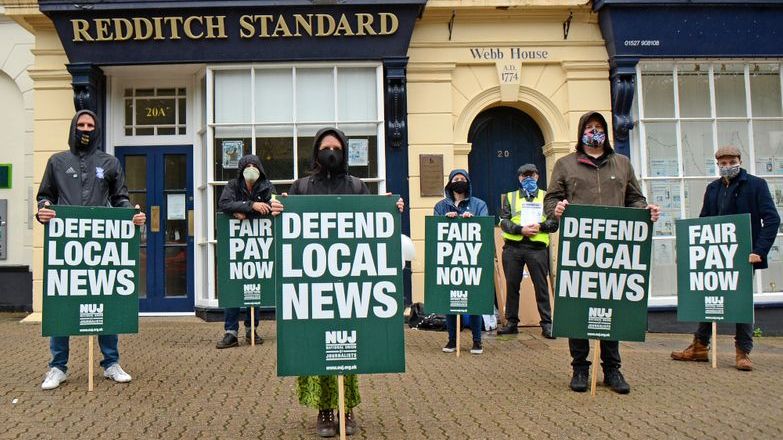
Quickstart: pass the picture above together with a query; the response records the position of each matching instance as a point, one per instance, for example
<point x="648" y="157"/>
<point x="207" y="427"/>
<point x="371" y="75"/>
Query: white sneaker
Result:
<point x="54" y="377"/>
<point x="117" y="374"/>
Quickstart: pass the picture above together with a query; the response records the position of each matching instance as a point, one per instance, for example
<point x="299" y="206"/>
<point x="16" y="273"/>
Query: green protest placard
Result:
<point x="459" y="259"/>
<point x="714" y="277"/>
<point x="246" y="259"/>
<point x="603" y="273"/>
<point x="339" y="301"/>
<point x="91" y="271"/>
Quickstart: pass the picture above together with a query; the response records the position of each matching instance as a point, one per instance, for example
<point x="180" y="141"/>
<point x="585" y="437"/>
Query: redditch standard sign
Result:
<point x="339" y="300"/>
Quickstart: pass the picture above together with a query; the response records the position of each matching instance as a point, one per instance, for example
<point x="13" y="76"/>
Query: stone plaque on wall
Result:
<point x="431" y="172"/>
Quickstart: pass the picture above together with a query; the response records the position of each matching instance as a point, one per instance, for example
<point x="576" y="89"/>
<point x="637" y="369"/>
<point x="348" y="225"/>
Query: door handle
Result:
<point x="155" y="219"/>
<point x="191" y="226"/>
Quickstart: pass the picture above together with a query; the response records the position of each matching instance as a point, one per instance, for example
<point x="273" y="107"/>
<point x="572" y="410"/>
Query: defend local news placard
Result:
<point x="91" y="272"/>
<point x="603" y="273"/>
<point x="246" y="262"/>
<point x="340" y="294"/>
<point x="714" y="277"/>
<point x="459" y="258"/>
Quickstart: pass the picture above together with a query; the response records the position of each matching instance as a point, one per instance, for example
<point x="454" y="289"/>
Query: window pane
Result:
<point x="128" y="112"/>
<point x="765" y="90"/>
<point x="175" y="171"/>
<point x="274" y="95"/>
<point x="231" y="143"/>
<point x="658" y="89"/>
<point x="697" y="148"/>
<point x="776" y="189"/>
<point x="735" y="133"/>
<point x="304" y="148"/>
<point x="314" y="95"/>
<point x="694" y="196"/>
<point x="357" y="94"/>
<point x="694" y="90"/>
<point x="176" y="271"/>
<point x="661" y="149"/>
<point x="730" y="90"/>
<point x="773" y="278"/>
<point x="275" y="147"/>
<point x="362" y="154"/>
<point x="136" y="172"/>
<point x="232" y="96"/>
<point x="665" y="194"/>
<point x="662" y="282"/>
<point x="768" y="142"/>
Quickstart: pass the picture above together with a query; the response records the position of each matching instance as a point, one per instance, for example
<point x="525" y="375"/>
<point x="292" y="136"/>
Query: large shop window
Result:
<point x="275" y="111"/>
<point x="685" y="111"/>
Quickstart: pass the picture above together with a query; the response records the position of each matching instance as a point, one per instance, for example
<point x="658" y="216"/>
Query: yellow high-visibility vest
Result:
<point x="518" y="203"/>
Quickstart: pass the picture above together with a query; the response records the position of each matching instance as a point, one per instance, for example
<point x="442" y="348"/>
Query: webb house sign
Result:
<point x="147" y="32"/>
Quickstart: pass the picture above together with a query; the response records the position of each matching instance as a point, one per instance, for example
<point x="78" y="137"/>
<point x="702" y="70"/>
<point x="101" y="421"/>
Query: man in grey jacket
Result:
<point x="83" y="176"/>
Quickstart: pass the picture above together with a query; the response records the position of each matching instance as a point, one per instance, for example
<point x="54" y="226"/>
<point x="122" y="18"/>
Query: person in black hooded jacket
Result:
<point x="329" y="175"/>
<point x="247" y="196"/>
<point x="83" y="176"/>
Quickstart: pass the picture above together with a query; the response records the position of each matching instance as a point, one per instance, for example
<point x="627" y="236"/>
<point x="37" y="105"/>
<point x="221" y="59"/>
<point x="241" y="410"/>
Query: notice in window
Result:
<point x="232" y="151"/>
<point x="358" y="152"/>
<point x="175" y="207"/>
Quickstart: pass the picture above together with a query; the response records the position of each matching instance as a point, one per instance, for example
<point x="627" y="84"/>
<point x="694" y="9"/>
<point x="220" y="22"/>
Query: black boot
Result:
<point x="259" y="341"/>
<point x="614" y="379"/>
<point x="325" y="425"/>
<point x="579" y="381"/>
<point x="508" y="329"/>
<point x="228" y="341"/>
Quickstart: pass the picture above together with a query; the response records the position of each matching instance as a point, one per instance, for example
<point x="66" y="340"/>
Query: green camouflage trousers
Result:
<point x="320" y="392"/>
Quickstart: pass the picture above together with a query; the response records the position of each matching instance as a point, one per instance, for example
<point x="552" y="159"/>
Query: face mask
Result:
<point x="729" y="172"/>
<point x="83" y="138"/>
<point x="251" y="174"/>
<point x="458" y="187"/>
<point x="593" y="138"/>
<point x="331" y="159"/>
<point x="529" y="185"/>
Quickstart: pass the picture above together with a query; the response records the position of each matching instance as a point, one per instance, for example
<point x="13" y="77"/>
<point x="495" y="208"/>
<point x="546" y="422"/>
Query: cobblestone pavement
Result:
<point x="184" y="388"/>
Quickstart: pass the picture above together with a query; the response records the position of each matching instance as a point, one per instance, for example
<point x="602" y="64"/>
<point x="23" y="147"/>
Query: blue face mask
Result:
<point x="528" y="185"/>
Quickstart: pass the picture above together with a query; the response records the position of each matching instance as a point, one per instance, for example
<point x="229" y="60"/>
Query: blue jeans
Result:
<point x="60" y="347"/>
<point x="475" y="326"/>
<point x="232" y="320"/>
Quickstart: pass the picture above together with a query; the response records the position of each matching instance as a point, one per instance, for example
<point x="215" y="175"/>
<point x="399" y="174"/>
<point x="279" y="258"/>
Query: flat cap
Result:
<point x="727" y="151"/>
<point x="527" y="168"/>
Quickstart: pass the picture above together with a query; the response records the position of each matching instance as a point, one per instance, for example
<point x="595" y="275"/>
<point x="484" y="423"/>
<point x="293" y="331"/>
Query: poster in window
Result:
<point x="663" y="167"/>
<point x="232" y="151"/>
<point x="358" y="152"/>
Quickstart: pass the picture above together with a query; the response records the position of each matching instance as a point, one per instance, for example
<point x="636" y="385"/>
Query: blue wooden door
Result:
<point x="160" y="180"/>
<point x="503" y="139"/>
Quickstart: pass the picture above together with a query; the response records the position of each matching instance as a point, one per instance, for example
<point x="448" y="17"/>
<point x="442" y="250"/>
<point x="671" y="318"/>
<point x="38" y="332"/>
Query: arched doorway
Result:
<point x="503" y="139"/>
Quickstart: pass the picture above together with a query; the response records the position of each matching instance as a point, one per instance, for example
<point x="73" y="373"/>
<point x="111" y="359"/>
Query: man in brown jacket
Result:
<point x="595" y="175"/>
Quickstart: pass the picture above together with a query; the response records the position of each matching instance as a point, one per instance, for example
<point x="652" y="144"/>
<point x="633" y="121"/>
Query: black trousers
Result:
<point x="580" y="350"/>
<point x="515" y="257"/>
<point x="743" y="338"/>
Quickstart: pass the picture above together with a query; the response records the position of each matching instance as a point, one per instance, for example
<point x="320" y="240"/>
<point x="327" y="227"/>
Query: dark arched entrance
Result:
<point x="503" y="139"/>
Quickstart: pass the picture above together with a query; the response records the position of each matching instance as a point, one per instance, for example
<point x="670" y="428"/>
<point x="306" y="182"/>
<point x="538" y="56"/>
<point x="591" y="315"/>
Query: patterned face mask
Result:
<point x="529" y="185"/>
<point x="729" y="172"/>
<point x="593" y="138"/>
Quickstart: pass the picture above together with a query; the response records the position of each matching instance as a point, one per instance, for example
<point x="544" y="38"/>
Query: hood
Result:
<point x="583" y="122"/>
<point x="96" y="144"/>
<point x="316" y="167"/>
<point x="449" y="193"/>
<point x="245" y="161"/>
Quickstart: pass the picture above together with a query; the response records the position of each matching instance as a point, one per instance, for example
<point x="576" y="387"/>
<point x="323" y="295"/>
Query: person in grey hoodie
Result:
<point x="83" y="176"/>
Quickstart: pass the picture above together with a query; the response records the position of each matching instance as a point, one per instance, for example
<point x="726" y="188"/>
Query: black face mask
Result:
<point x="458" y="187"/>
<point x="331" y="159"/>
<point x="84" y="139"/>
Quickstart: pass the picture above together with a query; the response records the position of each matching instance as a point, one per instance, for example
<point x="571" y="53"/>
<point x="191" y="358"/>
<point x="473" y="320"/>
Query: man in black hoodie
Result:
<point x="83" y="176"/>
<point x="247" y="196"/>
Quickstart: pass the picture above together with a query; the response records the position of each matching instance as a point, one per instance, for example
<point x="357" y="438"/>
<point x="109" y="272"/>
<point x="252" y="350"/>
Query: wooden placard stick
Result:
<point x="252" y="326"/>
<point x="341" y="404"/>
<point x="90" y="361"/>
<point x="596" y="358"/>
<point x="714" y="348"/>
<point x="459" y="324"/>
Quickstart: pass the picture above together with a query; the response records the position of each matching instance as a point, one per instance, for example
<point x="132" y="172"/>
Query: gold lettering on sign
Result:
<point x="200" y="27"/>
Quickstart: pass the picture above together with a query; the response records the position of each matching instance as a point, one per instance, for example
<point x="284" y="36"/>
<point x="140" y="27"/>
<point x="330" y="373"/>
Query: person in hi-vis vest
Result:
<point x="526" y="235"/>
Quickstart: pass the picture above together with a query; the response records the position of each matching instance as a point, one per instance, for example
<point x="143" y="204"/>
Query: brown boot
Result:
<point x="325" y="426"/>
<point x="743" y="361"/>
<point x="697" y="351"/>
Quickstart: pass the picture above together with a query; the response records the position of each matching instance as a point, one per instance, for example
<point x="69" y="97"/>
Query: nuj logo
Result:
<point x="341" y="337"/>
<point x="600" y="312"/>
<point x="252" y="288"/>
<point x="459" y="294"/>
<point x="714" y="300"/>
<point x="90" y="308"/>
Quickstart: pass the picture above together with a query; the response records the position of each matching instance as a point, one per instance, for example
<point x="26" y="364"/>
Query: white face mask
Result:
<point x="251" y="174"/>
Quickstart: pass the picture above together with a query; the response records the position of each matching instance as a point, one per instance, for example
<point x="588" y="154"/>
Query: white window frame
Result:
<point x="641" y="149"/>
<point x="208" y="158"/>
